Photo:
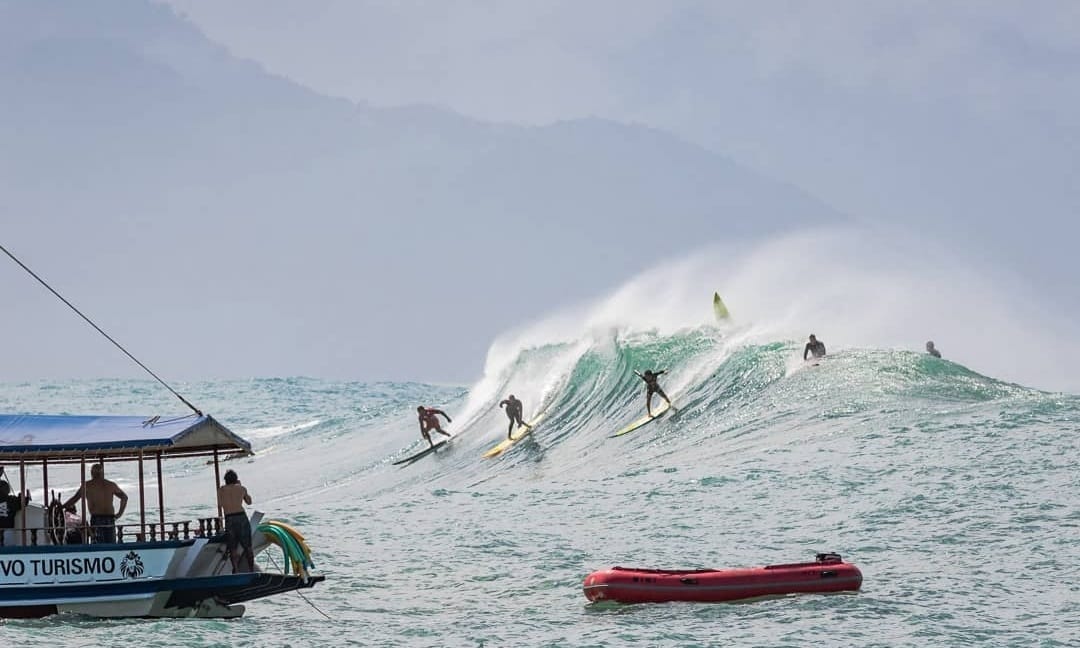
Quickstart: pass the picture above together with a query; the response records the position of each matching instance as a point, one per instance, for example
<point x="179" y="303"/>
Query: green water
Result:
<point x="956" y="495"/>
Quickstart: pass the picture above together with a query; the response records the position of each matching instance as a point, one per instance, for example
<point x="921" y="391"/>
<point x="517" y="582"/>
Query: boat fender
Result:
<point x="688" y="581"/>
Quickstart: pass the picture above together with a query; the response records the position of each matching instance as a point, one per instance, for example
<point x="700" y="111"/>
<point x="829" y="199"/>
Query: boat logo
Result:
<point x="131" y="565"/>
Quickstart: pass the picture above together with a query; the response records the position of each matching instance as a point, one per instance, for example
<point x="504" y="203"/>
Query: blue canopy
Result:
<point x="25" y="437"/>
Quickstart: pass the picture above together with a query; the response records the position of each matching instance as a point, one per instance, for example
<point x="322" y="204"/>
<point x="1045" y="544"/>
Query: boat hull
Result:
<point x="186" y="578"/>
<point x="628" y="585"/>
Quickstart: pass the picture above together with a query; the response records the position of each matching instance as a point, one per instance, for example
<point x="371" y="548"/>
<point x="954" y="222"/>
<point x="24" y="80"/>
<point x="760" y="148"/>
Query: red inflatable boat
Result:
<point x="829" y="573"/>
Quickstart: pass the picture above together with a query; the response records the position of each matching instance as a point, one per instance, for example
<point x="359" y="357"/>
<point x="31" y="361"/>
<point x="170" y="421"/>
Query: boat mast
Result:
<point x="142" y="500"/>
<point x="161" y="494"/>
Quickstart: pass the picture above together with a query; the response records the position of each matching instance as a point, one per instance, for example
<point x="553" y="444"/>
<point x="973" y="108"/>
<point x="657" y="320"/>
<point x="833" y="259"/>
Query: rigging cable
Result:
<point x="98" y="329"/>
<point x="299" y="593"/>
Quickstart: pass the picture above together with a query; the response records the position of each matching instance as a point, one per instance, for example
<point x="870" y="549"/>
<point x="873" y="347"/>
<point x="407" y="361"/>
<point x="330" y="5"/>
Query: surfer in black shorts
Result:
<point x="513" y="411"/>
<point x="652" y="387"/>
<point x="815" y="347"/>
<point x="429" y="420"/>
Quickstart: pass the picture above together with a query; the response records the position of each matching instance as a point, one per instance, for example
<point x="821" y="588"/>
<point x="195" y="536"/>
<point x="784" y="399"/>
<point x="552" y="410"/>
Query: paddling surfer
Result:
<point x="652" y="387"/>
<point x="429" y="420"/>
<point x="815" y="347"/>
<point x="513" y="412"/>
<point x="99" y="493"/>
<point x="231" y="499"/>
<point x="932" y="350"/>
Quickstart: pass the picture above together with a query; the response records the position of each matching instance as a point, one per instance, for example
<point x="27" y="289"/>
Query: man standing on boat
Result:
<point x="429" y="420"/>
<point x="99" y="493"/>
<point x="231" y="499"/>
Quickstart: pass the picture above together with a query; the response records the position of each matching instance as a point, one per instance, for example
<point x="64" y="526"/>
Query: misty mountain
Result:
<point x="222" y="221"/>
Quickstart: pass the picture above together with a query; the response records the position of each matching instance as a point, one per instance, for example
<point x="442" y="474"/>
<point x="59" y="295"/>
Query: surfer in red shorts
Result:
<point x="429" y="420"/>
<point x="652" y="387"/>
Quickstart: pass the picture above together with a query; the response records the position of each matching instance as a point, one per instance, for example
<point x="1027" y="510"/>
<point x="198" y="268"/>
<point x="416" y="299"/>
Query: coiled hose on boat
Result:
<point x="296" y="551"/>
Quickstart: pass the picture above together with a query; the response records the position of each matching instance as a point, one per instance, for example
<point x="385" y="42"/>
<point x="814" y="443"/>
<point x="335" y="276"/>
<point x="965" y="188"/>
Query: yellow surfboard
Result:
<point x="657" y="412"/>
<point x="719" y="309"/>
<point x="519" y="434"/>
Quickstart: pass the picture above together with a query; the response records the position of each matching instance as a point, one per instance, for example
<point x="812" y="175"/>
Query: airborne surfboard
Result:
<point x="659" y="411"/>
<point x="719" y="309"/>
<point x="518" y="435"/>
<point x="423" y="453"/>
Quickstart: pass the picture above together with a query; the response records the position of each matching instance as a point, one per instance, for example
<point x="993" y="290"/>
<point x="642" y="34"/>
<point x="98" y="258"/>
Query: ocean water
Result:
<point x="956" y="494"/>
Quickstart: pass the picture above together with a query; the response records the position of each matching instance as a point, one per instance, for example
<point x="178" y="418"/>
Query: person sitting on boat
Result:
<point x="815" y="347"/>
<point x="99" y="493"/>
<point x="231" y="499"/>
<point x="652" y="387"/>
<point x="513" y="411"/>
<point x="429" y="420"/>
<point x="931" y="350"/>
<point x="10" y="505"/>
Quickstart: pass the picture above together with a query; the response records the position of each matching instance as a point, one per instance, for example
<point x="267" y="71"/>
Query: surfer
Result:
<point x="652" y="387"/>
<point x="513" y="412"/>
<point x="429" y="420"/>
<point x="931" y="350"/>
<point x="814" y="346"/>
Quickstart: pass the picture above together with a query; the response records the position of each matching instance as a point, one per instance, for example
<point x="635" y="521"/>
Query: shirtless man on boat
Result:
<point x="99" y="493"/>
<point x="429" y="420"/>
<point x="231" y="499"/>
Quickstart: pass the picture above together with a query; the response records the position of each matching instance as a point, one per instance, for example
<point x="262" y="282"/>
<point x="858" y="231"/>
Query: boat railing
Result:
<point x="74" y="534"/>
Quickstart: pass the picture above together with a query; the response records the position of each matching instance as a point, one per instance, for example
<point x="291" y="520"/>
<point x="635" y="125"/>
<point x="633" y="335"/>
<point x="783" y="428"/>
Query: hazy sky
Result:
<point x="957" y="118"/>
<point x="228" y="223"/>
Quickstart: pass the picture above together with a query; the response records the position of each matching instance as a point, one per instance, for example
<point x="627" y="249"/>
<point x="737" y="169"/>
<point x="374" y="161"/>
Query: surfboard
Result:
<point x="423" y="453"/>
<point x="719" y="308"/>
<point x="518" y="435"/>
<point x="645" y="420"/>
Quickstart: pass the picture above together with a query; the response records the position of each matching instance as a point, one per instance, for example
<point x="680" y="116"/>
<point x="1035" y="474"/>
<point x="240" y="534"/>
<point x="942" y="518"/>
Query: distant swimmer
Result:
<point x="931" y="350"/>
<point x="815" y="347"/>
<point x="652" y="387"/>
<point x="429" y="420"/>
<point x="513" y="411"/>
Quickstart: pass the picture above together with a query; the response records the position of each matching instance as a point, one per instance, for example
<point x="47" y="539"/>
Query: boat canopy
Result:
<point x="72" y="438"/>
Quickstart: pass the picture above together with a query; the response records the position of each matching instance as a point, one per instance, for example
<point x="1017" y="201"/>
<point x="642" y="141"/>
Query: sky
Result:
<point x="378" y="190"/>
<point x="958" y="118"/>
<point x="932" y="112"/>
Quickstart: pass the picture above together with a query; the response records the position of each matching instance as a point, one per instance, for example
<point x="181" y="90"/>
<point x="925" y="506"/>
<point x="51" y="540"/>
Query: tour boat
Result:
<point x="828" y="573"/>
<point x="159" y="566"/>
